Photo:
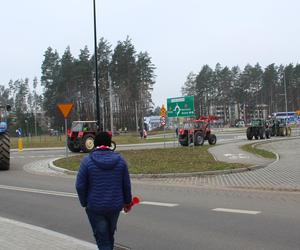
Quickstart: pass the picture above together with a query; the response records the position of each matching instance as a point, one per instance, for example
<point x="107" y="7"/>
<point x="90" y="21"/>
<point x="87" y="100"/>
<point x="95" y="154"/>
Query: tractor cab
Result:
<point x="83" y="126"/>
<point x="3" y="117"/>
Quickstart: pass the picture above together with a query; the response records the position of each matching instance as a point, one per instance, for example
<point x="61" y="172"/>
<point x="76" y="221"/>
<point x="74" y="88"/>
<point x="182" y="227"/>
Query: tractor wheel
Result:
<point x="212" y="139"/>
<point x="88" y="143"/>
<point x="183" y="140"/>
<point x="249" y="134"/>
<point x="4" y="151"/>
<point x="71" y="146"/>
<point x="267" y="134"/>
<point x="261" y="133"/>
<point x="199" y="139"/>
<point x="273" y="132"/>
<point x="283" y="131"/>
<point x="289" y="132"/>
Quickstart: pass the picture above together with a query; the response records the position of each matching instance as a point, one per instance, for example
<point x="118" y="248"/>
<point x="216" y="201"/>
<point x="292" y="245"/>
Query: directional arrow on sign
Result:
<point x="177" y="110"/>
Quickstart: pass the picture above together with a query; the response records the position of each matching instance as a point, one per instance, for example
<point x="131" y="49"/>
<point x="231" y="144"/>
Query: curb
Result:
<point x="270" y="141"/>
<point x="193" y="174"/>
<point x="61" y="170"/>
<point x="168" y="175"/>
<point x="38" y="149"/>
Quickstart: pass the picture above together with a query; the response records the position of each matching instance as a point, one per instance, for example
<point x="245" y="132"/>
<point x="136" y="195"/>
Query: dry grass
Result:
<point x="156" y="161"/>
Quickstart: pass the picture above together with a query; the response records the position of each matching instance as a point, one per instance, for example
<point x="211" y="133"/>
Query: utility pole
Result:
<point x="136" y="118"/>
<point x="285" y="97"/>
<point x="96" y="69"/>
<point x="110" y="105"/>
<point x="35" y="122"/>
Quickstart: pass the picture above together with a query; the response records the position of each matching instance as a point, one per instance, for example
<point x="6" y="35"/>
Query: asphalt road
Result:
<point x="184" y="219"/>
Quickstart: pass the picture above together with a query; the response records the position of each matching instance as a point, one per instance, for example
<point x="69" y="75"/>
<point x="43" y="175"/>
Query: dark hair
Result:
<point x="102" y="139"/>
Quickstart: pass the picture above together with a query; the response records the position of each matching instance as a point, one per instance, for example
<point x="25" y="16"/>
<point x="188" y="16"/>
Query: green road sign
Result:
<point x="181" y="106"/>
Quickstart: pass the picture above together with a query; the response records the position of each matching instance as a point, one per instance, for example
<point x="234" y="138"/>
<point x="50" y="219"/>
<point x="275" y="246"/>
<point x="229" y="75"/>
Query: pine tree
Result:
<point x="145" y="81"/>
<point x="50" y="81"/>
<point x="84" y="87"/>
<point x="125" y="83"/>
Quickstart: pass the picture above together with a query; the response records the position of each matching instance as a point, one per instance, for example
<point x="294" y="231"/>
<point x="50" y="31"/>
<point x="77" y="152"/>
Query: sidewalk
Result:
<point x="16" y="235"/>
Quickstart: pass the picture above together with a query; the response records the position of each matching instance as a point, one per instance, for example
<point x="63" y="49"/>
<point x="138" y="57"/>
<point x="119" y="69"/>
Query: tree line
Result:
<point x="22" y="95"/>
<point x="250" y="89"/>
<point x="69" y="79"/>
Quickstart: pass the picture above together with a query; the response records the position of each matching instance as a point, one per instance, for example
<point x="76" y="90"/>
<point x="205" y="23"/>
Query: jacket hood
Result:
<point x="105" y="159"/>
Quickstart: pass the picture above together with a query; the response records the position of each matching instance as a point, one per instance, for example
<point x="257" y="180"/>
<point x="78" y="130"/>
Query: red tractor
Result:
<point x="197" y="132"/>
<point x="81" y="136"/>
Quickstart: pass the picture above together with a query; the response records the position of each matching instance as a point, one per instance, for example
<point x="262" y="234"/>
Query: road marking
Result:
<point x="161" y="204"/>
<point x="73" y="195"/>
<point x="38" y="191"/>
<point x="236" y="156"/>
<point x="239" y="211"/>
<point x="240" y="137"/>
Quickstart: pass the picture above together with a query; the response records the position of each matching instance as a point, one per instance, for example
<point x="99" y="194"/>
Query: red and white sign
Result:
<point x="163" y="121"/>
<point x="163" y="114"/>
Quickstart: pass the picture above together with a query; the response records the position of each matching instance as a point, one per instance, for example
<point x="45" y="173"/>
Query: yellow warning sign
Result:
<point x="65" y="109"/>
<point x="163" y="111"/>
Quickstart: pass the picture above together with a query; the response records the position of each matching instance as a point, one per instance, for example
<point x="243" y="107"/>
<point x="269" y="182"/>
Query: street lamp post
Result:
<point x="96" y="68"/>
<point x="110" y="105"/>
<point x="285" y="97"/>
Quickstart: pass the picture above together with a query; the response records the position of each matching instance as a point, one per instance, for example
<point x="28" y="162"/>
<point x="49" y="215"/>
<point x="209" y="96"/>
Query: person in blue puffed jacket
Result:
<point x="104" y="189"/>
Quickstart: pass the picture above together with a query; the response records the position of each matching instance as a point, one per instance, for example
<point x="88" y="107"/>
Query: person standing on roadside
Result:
<point x="145" y="133"/>
<point x="141" y="133"/>
<point x="104" y="189"/>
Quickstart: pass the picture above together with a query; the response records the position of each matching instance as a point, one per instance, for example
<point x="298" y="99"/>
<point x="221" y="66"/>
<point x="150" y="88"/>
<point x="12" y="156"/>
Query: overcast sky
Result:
<point x="180" y="36"/>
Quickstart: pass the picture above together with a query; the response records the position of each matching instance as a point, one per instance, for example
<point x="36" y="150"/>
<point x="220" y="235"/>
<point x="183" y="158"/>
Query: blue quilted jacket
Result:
<point x="103" y="182"/>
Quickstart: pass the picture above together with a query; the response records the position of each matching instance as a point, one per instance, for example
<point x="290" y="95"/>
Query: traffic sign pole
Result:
<point x="66" y="132"/>
<point x="65" y="109"/>
<point x="163" y="121"/>
<point x="164" y="136"/>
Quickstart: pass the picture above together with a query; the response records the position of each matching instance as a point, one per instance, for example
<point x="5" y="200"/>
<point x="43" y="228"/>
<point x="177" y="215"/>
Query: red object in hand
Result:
<point x="135" y="201"/>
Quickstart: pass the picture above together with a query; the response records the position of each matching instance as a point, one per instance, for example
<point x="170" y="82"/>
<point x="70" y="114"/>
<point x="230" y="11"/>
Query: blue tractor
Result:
<point x="4" y="138"/>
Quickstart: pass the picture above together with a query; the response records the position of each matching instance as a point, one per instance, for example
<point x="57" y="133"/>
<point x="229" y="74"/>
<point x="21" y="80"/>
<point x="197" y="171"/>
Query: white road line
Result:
<point x="161" y="204"/>
<point x="73" y="195"/>
<point x="38" y="191"/>
<point x="35" y="156"/>
<point x="239" y="211"/>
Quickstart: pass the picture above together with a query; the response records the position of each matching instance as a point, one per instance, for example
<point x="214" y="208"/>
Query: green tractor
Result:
<point x="281" y="128"/>
<point x="259" y="129"/>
